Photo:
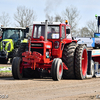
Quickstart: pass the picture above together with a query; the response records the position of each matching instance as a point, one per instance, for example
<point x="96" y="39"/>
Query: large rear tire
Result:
<point x="17" y="69"/>
<point x="81" y="62"/>
<point x="14" y="54"/>
<point x="28" y="72"/>
<point x="57" y="69"/>
<point x="22" y="48"/>
<point x="68" y="59"/>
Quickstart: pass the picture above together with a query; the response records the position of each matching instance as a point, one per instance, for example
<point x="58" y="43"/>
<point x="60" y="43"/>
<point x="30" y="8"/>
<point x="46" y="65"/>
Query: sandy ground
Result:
<point x="47" y="89"/>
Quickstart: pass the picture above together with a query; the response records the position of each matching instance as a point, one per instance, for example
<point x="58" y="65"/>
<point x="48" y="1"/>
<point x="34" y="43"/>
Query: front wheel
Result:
<point x="17" y="68"/>
<point x="57" y="69"/>
<point x="81" y="62"/>
<point x="92" y="72"/>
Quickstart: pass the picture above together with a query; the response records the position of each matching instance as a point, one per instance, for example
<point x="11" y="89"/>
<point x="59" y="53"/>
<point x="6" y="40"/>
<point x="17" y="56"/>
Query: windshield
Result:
<point x="13" y="34"/>
<point x="52" y="31"/>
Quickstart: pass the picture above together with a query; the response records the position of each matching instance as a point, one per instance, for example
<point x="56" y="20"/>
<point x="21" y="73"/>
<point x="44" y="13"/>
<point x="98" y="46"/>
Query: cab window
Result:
<point x="63" y="32"/>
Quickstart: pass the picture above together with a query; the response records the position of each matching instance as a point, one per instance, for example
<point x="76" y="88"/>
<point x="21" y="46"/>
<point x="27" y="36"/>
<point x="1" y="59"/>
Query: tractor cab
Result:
<point x="13" y="33"/>
<point x="11" y="39"/>
<point x="56" y="35"/>
<point x="55" y="30"/>
<point x="51" y="49"/>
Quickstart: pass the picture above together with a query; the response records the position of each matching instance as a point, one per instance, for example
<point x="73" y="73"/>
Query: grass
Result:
<point x="6" y="71"/>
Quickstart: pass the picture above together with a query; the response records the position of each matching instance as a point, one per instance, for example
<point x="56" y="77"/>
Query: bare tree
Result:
<point x="92" y="27"/>
<point x="88" y="30"/>
<point x="49" y="18"/>
<point x="72" y="15"/>
<point x="56" y="18"/>
<point x="5" y="19"/>
<point x="84" y="32"/>
<point x="24" y="16"/>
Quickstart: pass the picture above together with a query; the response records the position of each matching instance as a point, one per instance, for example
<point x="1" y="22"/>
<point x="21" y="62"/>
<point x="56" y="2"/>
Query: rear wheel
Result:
<point x="14" y="54"/>
<point x="17" y="68"/>
<point x="22" y="48"/>
<point x="81" y="62"/>
<point x="28" y="72"/>
<point x="68" y="59"/>
<point x="57" y="69"/>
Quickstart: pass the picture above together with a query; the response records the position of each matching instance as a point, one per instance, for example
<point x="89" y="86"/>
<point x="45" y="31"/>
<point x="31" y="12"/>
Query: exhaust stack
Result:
<point x="46" y="24"/>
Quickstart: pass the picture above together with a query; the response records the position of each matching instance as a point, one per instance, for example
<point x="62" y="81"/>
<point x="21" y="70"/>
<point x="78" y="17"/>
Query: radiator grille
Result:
<point x="37" y="50"/>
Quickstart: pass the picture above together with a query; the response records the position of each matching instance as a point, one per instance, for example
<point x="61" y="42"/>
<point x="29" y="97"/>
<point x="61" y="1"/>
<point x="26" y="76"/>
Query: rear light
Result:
<point x="56" y="44"/>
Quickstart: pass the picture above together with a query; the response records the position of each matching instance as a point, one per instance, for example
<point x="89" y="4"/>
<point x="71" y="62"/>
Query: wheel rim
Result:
<point x="84" y="62"/>
<point x="60" y="70"/>
<point x="21" y="68"/>
<point x="92" y="68"/>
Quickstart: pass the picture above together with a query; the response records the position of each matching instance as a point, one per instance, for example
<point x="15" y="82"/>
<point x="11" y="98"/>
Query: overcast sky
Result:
<point x="87" y="8"/>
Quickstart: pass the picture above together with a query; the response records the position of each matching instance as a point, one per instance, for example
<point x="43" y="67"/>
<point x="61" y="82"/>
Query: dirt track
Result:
<point x="47" y="89"/>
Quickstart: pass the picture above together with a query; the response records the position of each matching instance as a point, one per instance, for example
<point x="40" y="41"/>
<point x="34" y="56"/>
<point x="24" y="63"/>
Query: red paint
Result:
<point x="21" y="68"/>
<point x="60" y="70"/>
<point x="84" y="62"/>
<point x="38" y="58"/>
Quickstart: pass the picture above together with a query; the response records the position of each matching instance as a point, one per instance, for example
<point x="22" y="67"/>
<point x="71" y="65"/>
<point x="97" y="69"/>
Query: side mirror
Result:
<point x="27" y="30"/>
<point x="67" y="31"/>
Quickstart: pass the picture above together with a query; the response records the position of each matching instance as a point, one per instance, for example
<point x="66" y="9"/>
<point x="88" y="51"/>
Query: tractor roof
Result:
<point x="49" y="23"/>
<point x="13" y="28"/>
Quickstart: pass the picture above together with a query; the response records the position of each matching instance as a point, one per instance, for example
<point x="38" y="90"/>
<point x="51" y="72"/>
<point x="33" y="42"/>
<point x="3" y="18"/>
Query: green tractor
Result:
<point x="12" y="37"/>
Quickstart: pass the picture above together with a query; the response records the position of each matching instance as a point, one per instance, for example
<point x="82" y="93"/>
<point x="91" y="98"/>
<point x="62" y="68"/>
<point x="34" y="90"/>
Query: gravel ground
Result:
<point x="5" y="74"/>
<point x="47" y="89"/>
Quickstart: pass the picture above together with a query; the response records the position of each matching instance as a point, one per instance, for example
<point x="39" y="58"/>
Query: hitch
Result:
<point x="31" y="58"/>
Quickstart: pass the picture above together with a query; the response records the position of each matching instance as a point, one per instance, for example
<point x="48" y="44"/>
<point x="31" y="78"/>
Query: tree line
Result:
<point x="25" y="16"/>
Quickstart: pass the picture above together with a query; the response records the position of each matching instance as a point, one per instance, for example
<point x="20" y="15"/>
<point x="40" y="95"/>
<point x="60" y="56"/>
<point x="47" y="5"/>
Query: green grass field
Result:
<point x="4" y="70"/>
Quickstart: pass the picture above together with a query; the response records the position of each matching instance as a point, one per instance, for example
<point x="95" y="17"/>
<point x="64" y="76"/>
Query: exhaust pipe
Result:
<point x="46" y="25"/>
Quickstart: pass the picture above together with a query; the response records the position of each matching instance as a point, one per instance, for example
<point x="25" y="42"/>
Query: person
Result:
<point x="14" y="36"/>
<point x="50" y="34"/>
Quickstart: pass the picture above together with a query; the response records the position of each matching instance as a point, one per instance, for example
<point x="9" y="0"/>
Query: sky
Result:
<point x="87" y="8"/>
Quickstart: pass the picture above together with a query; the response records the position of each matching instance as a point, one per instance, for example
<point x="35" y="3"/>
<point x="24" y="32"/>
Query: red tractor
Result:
<point x="51" y="48"/>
